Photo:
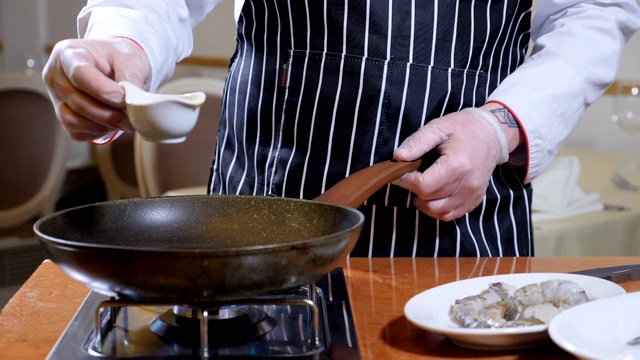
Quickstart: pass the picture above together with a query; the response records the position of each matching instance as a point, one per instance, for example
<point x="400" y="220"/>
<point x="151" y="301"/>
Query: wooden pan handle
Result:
<point x="354" y="190"/>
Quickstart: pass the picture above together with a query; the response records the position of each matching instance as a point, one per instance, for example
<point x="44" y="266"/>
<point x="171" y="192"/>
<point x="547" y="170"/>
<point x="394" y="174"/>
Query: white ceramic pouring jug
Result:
<point x="166" y="118"/>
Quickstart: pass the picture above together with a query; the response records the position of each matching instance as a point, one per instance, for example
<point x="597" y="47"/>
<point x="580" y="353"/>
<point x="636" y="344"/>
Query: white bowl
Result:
<point x="162" y="117"/>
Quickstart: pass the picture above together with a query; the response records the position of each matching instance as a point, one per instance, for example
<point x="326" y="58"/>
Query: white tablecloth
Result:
<point x="605" y="233"/>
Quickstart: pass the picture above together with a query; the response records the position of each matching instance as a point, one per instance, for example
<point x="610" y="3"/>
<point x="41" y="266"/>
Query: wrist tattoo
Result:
<point x="504" y="117"/>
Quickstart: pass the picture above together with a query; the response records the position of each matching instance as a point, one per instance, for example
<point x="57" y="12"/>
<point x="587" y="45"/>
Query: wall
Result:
<point x="28" y="26"/>
<point x="20" y="37"/>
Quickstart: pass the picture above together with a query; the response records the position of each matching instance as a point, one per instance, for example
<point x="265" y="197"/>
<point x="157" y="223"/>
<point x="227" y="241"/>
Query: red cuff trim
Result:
<point x="133" y="41"/>
<point x="526" y="137"/>
<point x="146" y="84"/>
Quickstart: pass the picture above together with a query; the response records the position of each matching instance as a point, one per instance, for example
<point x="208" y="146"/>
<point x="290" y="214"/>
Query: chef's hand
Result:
<point x="471" y="144"/>
<point x="82" y="78"/>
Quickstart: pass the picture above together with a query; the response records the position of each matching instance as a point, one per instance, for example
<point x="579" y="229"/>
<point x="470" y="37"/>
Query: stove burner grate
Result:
<point x="185" y="331"/>
<point x="312" y="322"/>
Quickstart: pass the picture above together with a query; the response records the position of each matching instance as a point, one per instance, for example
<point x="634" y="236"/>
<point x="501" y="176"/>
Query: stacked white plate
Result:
<point x="600" y="329"/>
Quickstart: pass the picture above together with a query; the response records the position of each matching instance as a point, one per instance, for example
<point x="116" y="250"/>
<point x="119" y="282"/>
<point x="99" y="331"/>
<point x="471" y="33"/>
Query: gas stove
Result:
<point x="310" y="322"/>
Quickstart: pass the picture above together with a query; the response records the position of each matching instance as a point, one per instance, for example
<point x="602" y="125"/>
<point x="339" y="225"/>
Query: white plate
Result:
<point x="430" y="309"/>
<point x="601" y="329"/>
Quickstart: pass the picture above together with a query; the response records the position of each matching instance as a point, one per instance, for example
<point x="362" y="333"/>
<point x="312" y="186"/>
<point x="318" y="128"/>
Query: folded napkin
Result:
<point x="557" y="195"/>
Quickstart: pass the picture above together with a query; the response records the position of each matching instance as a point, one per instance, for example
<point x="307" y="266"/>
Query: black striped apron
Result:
<point x="320" y="89"/>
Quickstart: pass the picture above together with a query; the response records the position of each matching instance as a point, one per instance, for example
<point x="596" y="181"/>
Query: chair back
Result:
<point x="33" y="150"/>
<point x="181" y="168"/>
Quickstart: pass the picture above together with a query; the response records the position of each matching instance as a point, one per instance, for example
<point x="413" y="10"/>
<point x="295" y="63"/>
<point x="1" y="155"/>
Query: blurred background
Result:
<point x="30" y="28"/>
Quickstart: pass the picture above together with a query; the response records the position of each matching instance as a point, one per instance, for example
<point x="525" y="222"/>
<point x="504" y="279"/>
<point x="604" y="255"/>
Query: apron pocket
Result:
<point x="345" y="112"/>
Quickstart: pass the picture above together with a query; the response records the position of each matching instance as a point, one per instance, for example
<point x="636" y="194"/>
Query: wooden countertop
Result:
<point x="36" y="316"/>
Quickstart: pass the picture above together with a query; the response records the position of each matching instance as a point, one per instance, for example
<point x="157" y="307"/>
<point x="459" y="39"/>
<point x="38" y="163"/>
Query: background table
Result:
<point x="605" y="233"/>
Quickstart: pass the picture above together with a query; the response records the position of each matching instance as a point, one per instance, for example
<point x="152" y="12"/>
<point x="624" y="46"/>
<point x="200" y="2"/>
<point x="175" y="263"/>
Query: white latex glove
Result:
<point x="82" y="78"/>
<point x="471" y="144"/>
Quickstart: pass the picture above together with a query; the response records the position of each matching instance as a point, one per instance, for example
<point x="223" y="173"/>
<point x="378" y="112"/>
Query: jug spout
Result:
<point x="138" y="97"/>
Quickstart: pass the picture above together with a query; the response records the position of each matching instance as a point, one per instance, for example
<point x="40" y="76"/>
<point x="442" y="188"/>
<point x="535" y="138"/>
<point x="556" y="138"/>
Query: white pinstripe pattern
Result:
<point x="360" y="88"/>
<point x="484" y="47"/>
<point x="483" y="205"/>
<point x="235" y="121"/>
<point x="384" y="84"/>
<point x="446" y="101"/>
<point x="513" y="220"/>
<point x="259" y="116"/>
<point x="455" y="34"/>
<point x="504" y="11"/>
<point x="315" y="106"/>
<point x="458" y="239"/>
<point x="304" y="78"/>
<point x="273" y="107"/>
<point x="282" y="119"/>
<point x="337" y="99"/>
<point x="495" y="215"/>
<point x="530" y="235"/>
<point x="484" y="239"/>
<point x="433" y="54"/>
<point x="475" y="242"/>
<point x="402" y="109"/>
<point x="504" y="45"/>
<point x="246" y="107"/>
<point x="247" y="65"/>
<point x="526" y="13"/>
<point x="234" y="114"/>
<point x="415" y="234"/>
<point x="469" y="57"/>
<point x="434" y="31"/>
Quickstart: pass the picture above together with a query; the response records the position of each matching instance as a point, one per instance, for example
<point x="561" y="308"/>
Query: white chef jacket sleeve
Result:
<point x="163" y="28"/>
<point x="575" y="57"/>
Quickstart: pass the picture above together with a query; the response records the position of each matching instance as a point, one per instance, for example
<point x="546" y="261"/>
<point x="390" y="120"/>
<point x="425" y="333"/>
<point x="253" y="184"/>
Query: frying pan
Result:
<point x="211" y="247"/>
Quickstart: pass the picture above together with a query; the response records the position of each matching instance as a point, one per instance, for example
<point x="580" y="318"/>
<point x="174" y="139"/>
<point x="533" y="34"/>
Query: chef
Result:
<point x="317" y="90"/>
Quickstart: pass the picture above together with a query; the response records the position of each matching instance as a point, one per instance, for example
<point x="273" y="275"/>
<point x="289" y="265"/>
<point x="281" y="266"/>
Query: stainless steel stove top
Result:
<point x="313" y="322"/>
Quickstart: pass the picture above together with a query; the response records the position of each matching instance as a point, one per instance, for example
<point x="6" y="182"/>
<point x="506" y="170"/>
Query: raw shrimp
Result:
<point x="501" y="305"/>
<point x="561" y="293"/>
<point x="542" y="301"/>
<point x="491" y="308"/>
